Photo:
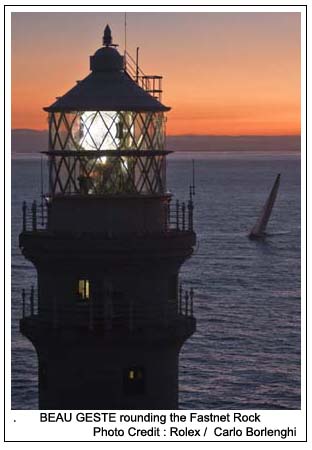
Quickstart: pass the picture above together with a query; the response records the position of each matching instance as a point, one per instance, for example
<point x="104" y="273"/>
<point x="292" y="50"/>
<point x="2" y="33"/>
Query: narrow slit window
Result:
<point x="84" y="290"/>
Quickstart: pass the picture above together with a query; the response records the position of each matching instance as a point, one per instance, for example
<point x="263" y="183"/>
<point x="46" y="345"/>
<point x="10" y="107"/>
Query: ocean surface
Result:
<point x="245" y="353"/>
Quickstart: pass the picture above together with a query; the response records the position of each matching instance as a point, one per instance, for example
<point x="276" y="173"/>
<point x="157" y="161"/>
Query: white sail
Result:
<point x="259" y="228"/>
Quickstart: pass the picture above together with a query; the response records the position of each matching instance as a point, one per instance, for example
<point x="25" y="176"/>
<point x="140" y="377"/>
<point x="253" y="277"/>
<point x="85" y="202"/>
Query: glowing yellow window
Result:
<point x="84" y="289"/>
<point x="133" y="381"/>
<point x="135" y="374"/>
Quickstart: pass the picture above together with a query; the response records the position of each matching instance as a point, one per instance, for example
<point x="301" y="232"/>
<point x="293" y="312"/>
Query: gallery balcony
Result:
<point x="115" y="322"/>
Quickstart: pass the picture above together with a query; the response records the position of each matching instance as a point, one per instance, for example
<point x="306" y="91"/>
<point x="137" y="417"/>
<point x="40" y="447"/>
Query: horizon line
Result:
<point x="188" y="134"/>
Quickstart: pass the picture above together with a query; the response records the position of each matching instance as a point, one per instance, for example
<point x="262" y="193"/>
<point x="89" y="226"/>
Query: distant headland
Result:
<point x="33" y="141"/>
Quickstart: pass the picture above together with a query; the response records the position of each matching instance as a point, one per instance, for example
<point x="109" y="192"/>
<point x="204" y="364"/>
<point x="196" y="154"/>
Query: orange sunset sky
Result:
<point x="224" y="73"/>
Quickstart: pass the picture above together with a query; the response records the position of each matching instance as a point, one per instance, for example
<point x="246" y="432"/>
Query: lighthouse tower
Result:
<point x="109" y="316"/>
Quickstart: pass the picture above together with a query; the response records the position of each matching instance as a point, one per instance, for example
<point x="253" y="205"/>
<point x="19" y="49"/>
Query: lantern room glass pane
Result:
<point x="107" y="130"/>
<point x="100" y="130"/>
<point x="107" y="175"/>
<point x="74" y="130"/>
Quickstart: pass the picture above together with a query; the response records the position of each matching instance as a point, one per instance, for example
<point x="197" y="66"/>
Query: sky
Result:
<point x="224" y="73"/>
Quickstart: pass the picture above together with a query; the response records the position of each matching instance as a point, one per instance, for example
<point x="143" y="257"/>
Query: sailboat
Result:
<point x="258" y="231"/>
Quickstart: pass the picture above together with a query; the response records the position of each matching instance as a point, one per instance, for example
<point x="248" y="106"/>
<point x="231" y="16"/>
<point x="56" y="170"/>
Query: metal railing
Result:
<point x="150" y="83"/>
<point x="180" y="216"/>
<point x="186" y="302"/>
<point x="35" y="217"/>
<point x="29" y="302"/>
<point x="106" y="316"/>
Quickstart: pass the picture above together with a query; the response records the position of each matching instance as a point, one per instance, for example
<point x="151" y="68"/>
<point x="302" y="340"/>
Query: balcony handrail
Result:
<point x="179" y="217"/>
<point x="89" y="313"/>
<point x="34" y="217"/>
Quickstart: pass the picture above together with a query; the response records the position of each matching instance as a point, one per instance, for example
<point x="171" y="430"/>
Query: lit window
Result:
<point x="134" y="381"/>
<point x="84" y="289"/>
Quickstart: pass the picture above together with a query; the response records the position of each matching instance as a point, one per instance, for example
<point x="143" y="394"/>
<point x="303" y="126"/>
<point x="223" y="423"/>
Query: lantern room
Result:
<point x="107" y="133"/>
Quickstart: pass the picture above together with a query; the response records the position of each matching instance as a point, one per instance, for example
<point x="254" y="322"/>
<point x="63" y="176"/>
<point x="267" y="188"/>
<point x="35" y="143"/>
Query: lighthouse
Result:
<point x="109" y="314"/>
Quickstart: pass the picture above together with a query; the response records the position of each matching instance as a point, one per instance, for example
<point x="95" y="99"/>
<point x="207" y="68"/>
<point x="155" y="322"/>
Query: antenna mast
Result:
<point x="41" y="188"/>
<point x="125" y="52"/>
<point x="192" y="186"/>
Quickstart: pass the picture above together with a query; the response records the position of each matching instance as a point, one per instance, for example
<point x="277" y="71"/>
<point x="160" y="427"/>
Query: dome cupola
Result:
<point x="107" y="58"/>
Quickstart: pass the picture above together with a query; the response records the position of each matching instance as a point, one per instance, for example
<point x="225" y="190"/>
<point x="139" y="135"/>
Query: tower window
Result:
<point x="134" y="381"/>
<point x="83" y="289"/>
